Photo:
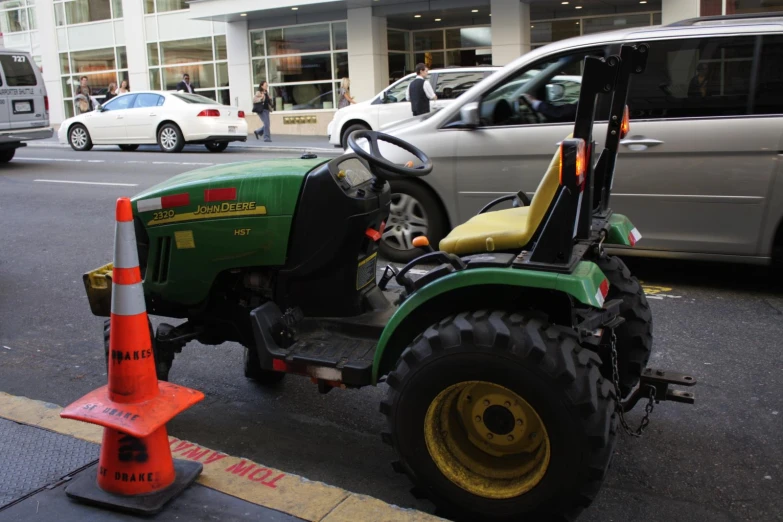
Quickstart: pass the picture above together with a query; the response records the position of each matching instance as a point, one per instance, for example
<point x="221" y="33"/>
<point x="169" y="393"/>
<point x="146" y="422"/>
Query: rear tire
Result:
<point x="79" y="138"/>
<point x="170" y="138"/>
<point x="414" y="212"/>
<point x="253" y="370"/>
<point x="7" y="155"/>
<point x="216" y="146"/>
<point x="162" y="368"/>
<point x="128" y="148"/>
<point x="546" y="465"/>
<point x="347" y="132"/>
<point x="634" y="336"/>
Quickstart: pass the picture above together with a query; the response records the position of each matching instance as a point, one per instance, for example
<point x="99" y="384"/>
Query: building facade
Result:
<point x="303" y="48"/>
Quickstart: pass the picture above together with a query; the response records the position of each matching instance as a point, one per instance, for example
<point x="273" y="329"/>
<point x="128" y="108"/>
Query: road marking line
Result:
<point x="166" y="163"/>
<point x="255" y="483"/>
<point x="186" y="163"/>
<point x="87" y="183"/>
<point x="96" y="161"/>
<point x="49" y="159"/>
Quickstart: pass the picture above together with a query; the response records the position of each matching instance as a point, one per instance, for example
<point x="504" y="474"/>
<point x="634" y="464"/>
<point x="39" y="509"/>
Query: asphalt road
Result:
<point x="721" y="459"/>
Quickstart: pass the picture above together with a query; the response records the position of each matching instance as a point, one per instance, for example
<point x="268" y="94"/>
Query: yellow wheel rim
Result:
<point x="487" y="440"/>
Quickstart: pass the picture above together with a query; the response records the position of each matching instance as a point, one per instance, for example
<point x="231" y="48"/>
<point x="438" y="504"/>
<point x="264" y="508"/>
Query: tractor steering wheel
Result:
<point x="385" y="169"/>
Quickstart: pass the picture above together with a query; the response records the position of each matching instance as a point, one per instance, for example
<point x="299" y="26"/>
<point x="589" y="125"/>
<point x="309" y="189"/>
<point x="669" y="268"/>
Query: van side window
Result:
<point x="396" y="93"/>
<point x="692" y="78"/>
<point x="770" y="83"/>
<point x="18" y="70"/>
<point x="451" y="85"/>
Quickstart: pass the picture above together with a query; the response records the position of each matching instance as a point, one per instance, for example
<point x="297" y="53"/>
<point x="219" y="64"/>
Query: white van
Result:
<point x="24" y="105"/>
<point x="390" y="104"/>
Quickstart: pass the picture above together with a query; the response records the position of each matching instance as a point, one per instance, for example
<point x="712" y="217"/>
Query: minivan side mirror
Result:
<point x="555" y="92"/>
<point x="469" y="115"/>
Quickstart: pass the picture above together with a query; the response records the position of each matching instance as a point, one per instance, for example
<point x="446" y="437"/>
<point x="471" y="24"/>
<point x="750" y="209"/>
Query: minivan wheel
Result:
<point x="7" y="155"/>
<point x="349" y="130"/>
<point x="414" y="212"/>
<point x="170" y="138"/>
<point x="79" y="138"/>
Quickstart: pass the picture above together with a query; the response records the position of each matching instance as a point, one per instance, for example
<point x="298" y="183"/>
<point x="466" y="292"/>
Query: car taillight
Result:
<point x="214" y="113"/>
<point x="241" y="114"/>
<point x="46" y="103"/>
<point x="625" y="126"/>
<point x="581" y="163"/>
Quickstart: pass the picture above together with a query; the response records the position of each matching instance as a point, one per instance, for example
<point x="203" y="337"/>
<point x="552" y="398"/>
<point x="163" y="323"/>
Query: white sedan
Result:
<point x="170" y="119"/>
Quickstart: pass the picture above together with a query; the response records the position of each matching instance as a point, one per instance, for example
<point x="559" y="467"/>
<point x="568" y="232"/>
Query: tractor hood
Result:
<point x="251" y="188"/>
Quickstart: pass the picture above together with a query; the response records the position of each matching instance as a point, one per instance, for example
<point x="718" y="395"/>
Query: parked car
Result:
<point x="170" y="119"/>
<point x="24" y="105"/>
<point x="390" y="105"/>
<point x="700" y="171"/>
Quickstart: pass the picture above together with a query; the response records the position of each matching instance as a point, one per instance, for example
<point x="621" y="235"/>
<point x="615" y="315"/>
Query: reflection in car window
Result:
<point x="120" y="102"/>
<point x="396" y="93"/>
<point x="193" y="98"/>
<point x="147" y="100"/>
<point x="768" y="95"/>
<point x="695" y="78"/>
<point x="451" y="85"/>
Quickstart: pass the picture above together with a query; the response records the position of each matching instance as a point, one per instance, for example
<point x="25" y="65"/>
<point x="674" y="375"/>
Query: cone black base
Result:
<point x="85" y="489"/>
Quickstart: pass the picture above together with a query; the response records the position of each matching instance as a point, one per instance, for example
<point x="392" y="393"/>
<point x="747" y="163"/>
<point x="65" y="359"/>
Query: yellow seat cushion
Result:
<point x="506" y="229"/>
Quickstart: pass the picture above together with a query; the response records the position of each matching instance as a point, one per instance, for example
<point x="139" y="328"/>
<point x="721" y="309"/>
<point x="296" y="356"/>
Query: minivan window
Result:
<point x="770" y="83"/>
<point x="691" y="78"/>
<point x="396" y="93"/>
<point x="18" y="71"/>
<point x="451" y="85"/>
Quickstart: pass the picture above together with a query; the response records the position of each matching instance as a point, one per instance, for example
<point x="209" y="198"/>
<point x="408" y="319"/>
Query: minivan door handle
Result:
<point x="640" y="143"/>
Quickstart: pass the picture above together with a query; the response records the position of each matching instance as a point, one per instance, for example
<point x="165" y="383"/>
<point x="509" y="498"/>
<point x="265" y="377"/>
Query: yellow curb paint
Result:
<point x="250" y="481"/>
<point x="363" y="508"/>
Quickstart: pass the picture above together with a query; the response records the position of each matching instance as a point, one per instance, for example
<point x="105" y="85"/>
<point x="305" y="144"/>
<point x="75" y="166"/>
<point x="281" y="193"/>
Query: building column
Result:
<point x="135" y="44"/>
<point x="50" y="59"/>
<point x="510" y="30"/>
<point x="676" y="10"/>
<point x="240" y="80"/>
<point x="368" y="57"/>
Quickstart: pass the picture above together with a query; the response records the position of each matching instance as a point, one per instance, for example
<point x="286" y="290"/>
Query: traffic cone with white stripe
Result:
<point x="136" y="472"/>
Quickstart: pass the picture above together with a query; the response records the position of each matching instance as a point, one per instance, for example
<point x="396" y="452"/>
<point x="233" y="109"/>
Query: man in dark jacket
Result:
<point x="420" y="91"/>
<point x="185" y="85"/>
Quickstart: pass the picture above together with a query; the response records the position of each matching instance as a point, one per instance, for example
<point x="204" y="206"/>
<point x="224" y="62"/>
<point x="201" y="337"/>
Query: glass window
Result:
<point x="431" y="60"/>
<point x="770" y="84"/>
<point x="152" y="54"/>
<point x="398" y="40"/>
<point x="149" y="6"/>
<point x="147" y="100"/>
<point x="224" y="96"/>
<point x="18" y="70"/>
<point x="116" y="7"/>
<point x="450" y="85"/>
<point x="93" y="60"/>
<point x="303" y="97"/>
<point x="257" y="43"/>
<point x="468" y="57"/>
<point x="752" y="6"/>
<point x="202" y="76"/>
<point x="298" y="39"/>
<point x="598" y="25"/>
<point x="186" y="51"/>
<point x="426" y="40"/>
<point x="122" y="58"/>
<point x="209" y="96"/>
<point x="259" y="71"/>
<point x="468" y="37"/>
<point x="83" y="11"/>
<point x="13" y="21"/>
<point x="400" y="64"/>
<point x="222" y="74"/>
<point x="694" y="78"/>
<point x="59" y="14"/>
<point x="171" y="5"/>
<point x="65" y="66"/>
<point x="545" y="32"/>
<point x="656" y="19"/>
<point x="341" y="65"/>
<point x="220" y="47"/>
<point x="300" y="68"/>
<point x="155" y="79"/>
<point x="340" y="35"/>
<point x="123" y="101"/>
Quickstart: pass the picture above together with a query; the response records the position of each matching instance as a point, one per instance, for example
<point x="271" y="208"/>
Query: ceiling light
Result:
<point x="416" y="16"/>
<point x="437" y="19"/>
<point x="642" y="1"/>
<point x="243" y="14"/>
<point x="294" y="9"/>
<point x="577" y="23"/>
<point x="564" y="3"/>
<point x="532" y="26"/>
<point x="474" y="11"/>
<point x="578" y="7"/>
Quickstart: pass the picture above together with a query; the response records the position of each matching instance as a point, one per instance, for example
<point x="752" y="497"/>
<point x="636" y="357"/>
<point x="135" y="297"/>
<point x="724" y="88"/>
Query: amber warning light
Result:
<point x="625" y="126"/>
<point x="581" y="163"/>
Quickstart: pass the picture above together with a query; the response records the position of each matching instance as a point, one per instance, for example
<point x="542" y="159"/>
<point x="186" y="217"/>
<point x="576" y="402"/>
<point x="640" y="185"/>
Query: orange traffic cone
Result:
<point x="136" y="472"/>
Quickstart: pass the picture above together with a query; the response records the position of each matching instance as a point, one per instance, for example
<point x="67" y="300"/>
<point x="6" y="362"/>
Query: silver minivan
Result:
<point x="700" y="172"/>
<point x="24" y="105"/>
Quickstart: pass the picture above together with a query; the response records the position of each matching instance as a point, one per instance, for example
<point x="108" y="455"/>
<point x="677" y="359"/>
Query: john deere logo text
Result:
<point x="225" y="207"/>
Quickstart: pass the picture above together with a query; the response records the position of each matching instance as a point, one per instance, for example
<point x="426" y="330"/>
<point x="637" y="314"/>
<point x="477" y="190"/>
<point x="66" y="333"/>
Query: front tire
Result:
<point x="79" y="138"/>
<point x="634" y="335"/>
<point x="253" y="370"/>
<point x="497" y="416"/>
<point x="128" y="148"/>
<point x="414" y="212"/>
<point x="7" y="155"/>
<point x="216" y="146"/>
<point x="170" y="138"/>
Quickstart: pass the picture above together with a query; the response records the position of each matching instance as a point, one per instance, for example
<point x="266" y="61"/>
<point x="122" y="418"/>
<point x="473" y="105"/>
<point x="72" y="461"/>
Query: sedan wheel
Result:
<point x="170" y="138"/>
<point x="216" y="146"/>
<point x="79" y="138"/>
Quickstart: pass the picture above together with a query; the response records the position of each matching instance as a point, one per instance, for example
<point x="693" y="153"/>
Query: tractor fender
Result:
<point x="484" y="288"/>
<point x="622" y="232"/>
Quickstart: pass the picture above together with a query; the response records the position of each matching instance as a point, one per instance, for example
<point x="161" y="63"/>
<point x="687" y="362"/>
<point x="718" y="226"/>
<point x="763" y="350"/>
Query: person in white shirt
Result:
<point x="420" y="91"/>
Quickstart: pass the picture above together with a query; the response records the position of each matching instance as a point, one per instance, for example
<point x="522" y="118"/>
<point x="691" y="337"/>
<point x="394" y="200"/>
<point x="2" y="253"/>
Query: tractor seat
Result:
<point x="506" y="229"/>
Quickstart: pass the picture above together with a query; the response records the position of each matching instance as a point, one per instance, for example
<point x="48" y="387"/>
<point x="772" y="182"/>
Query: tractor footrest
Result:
<point x="660" y="380"/>
<point x="328" y="355"/>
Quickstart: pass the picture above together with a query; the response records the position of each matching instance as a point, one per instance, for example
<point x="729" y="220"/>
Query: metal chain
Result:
<point x="648" y="409"/>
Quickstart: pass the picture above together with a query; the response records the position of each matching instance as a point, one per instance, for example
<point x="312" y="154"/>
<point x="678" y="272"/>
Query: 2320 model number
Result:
<point x="165" y="214"/>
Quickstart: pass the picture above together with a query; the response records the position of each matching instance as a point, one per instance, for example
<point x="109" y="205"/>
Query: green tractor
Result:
<point x="509" y="365"/>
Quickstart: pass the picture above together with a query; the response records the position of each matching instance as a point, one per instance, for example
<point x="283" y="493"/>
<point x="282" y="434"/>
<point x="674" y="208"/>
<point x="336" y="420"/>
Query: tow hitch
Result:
<point x="656" y="383"/>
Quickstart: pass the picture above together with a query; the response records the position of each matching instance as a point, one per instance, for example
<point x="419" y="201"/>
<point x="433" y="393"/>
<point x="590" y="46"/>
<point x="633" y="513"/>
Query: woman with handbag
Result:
<point x="83" y="101"/>
<point x="262" y="105"/>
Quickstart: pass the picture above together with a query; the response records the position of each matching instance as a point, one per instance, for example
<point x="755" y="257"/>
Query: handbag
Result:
<point x="258" y="108"/>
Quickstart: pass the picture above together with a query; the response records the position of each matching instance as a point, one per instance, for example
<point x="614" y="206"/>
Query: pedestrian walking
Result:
<point x="83" y="101"/>
<point x="124" y="87"/>
<point x="262" y="105"/>
<point x="185" y="85"/>
<point x="112" y="92"/>
<point x="345" y="94"/>
<point x="420" y="91"/>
